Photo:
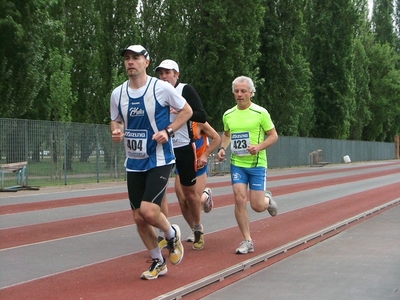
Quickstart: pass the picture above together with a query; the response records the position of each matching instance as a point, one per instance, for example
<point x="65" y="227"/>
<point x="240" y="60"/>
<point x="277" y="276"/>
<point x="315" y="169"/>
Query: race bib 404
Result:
<point x="136" y="143"/>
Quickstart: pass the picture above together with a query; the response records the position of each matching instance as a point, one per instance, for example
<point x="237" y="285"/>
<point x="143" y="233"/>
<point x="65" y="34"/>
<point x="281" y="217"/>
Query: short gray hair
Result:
<point x="250" y="83"/>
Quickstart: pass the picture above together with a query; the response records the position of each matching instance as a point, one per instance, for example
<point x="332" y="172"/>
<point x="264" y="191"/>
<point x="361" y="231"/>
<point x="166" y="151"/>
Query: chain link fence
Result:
<point x="58" y="153"/>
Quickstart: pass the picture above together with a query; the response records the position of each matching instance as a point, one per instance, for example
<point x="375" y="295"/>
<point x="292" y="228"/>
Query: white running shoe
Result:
<point x="273" y="207"/>
<point x="245" y="247"/>
<point x="191" y="237"/>
<point x="208" y="205"/>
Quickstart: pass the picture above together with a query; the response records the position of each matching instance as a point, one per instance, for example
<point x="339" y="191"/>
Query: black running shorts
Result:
<point x="148" y="186"/>
<point x="186" y="164"/>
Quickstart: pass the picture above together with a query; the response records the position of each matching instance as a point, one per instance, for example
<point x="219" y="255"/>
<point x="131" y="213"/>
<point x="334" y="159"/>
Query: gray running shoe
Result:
<point x="208" y="205"/>
<point x="273" y="207"/>
<point x="245" y="247"/>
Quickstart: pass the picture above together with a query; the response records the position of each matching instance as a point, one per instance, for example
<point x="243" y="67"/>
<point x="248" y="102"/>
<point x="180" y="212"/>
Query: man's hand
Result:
<point x="117" y="135"/>
<point x="202" y="161"/>
<point x="221" y="154"/>
<point x="253" y="149"/>
<point x="161" y="137"/>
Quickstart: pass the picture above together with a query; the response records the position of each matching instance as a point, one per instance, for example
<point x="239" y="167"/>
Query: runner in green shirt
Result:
<point x="246" y="127"/>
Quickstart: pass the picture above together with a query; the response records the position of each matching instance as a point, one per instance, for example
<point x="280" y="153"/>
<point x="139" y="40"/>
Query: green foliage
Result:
<point x="22" y="54"/>
<point x="385" y="94"/>
<point x="332" y="26"/>
<point x="321" y="68"/>
<point x="382" y="21"/>
<point x="164" y="30"/>
<point x="285" y="73"/>
<point x="361" y="114"/>
<point x="384" y="71"/>
<point x="61" y="98"/>
<point x="223" y="43"/>
<point x="397" y="25"/>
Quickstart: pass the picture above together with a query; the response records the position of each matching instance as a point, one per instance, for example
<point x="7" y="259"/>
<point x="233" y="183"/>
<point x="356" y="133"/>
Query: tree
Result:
<point x="223" y="43"/>
<point x="382" y="21"/>
<point x="362" y="113"/>
<point x="331" y="38"/>
<point x="385" y="94"/>
<point x="23" y="62"/>
<point x="284" y="69"/>
<point x="320" y="67"/>
<point x="397" y="25"/>
<point x="60" y="95"/>
<point x="164" y="29"/>
<point x="97" y="31"/>
<point x="363" y="38"/>
<point x="118" y="27"/>
<point x="385" y="75"/>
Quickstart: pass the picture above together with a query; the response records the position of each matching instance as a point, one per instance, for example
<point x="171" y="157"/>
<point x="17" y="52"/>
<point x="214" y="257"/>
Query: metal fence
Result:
<point x="65" y="153"/>
<point x="60" y="153"/>
<point x="300" y="151"/>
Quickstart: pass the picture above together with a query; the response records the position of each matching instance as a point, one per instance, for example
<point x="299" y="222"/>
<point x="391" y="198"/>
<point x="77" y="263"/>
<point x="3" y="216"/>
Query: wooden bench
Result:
<point x="19" y="168"/>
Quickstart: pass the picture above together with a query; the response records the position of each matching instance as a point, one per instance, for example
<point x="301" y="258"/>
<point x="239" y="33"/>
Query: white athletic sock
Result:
<point x="156" y="254"/>
<point x="170" y="233"/>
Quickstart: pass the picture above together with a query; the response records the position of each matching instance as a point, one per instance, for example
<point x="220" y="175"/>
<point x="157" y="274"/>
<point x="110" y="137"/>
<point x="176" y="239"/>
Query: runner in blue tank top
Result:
<point x="140" y="117"/>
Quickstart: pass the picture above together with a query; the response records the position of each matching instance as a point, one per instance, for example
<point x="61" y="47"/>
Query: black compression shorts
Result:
<point x="148" y="186"/>
<point x="186" y="164"/>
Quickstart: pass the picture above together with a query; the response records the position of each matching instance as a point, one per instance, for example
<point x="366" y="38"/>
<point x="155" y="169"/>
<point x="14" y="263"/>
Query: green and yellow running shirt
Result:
<point x="248" y="126"/>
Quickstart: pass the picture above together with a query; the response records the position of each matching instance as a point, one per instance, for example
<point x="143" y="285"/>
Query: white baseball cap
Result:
<point x="138" y="49"/>
<point x="168" y="64"/>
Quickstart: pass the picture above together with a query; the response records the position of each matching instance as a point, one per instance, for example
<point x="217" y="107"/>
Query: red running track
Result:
<point x="59" y="229"/>
<point x="119" y="278"/>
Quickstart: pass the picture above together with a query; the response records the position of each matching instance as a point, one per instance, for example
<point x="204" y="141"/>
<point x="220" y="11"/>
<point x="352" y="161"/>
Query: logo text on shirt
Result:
<point x="135" y="112"/>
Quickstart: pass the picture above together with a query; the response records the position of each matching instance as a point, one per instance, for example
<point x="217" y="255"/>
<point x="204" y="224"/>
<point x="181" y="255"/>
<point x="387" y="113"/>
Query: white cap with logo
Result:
<point x="168" y="64"/>
<point x="138" y="49"/>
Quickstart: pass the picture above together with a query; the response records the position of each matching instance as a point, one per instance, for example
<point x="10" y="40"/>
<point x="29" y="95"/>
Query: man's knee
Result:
<point x="258" y="207"/>
<point x="259" y="204"/>
<point x="138" y="217"/>
<point x="149" y="212"/>
<point x="240" y="201"/>
<point x="189" y="192"/>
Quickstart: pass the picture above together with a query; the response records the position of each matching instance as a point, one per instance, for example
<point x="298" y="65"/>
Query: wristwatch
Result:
<point x="221" y="148"/>
<point x="170" y="131"/>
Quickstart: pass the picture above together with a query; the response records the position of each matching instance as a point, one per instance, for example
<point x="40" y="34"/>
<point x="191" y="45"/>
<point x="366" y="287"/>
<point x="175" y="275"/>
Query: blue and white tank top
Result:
<point x="143" y="116"/>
